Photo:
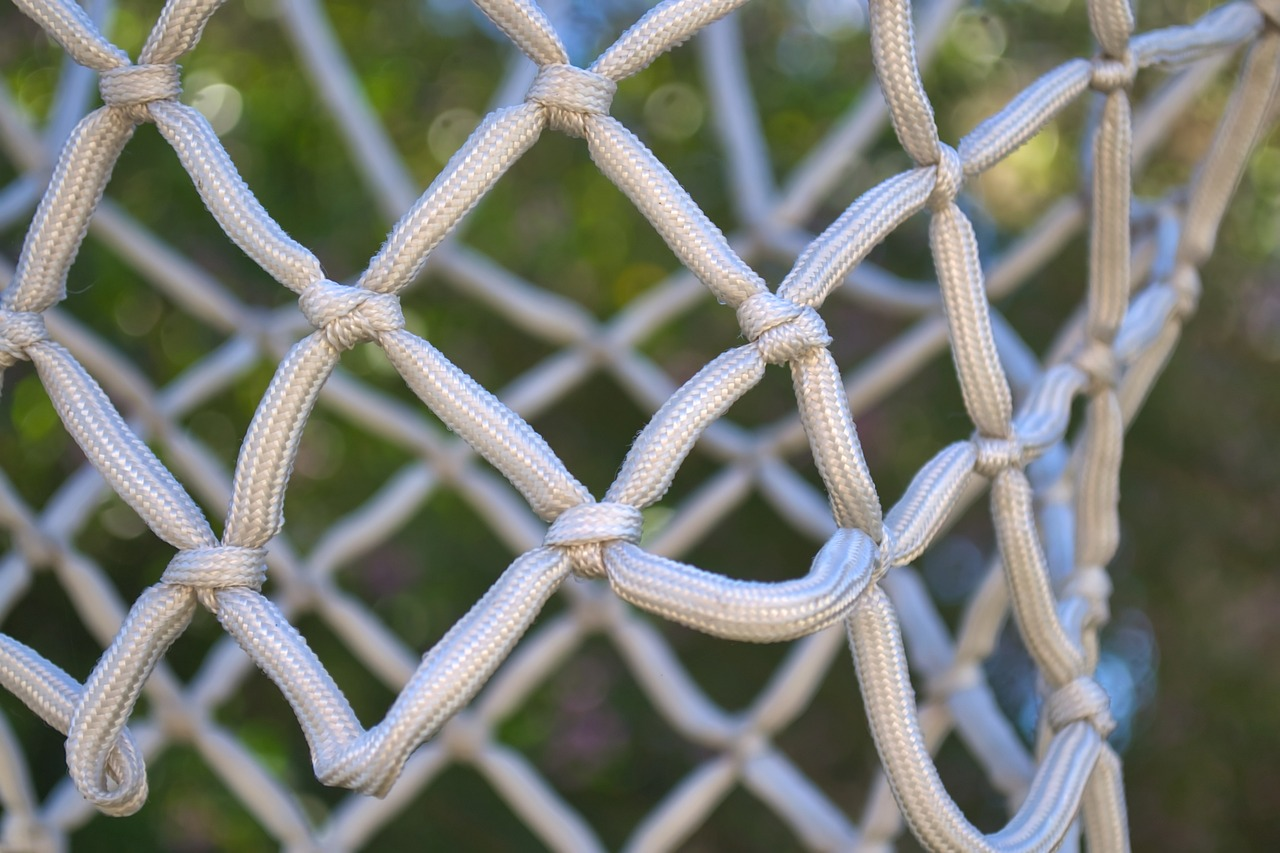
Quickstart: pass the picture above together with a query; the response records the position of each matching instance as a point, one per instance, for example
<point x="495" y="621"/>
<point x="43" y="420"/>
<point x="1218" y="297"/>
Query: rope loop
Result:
<point x="132" y="87"/>
<point x="949" y="177"/>
<point x="585" y="529"/>
<point x="18" y="331"/>
<point x="208" y="570"/>
<point x="570" y="94"/>
<point x="349" y="315"/>
<point x="783" y="330"/>
<point x="1111" y="74"/>
<point x="116" y="783"/>
<point x="1080" y="699"/>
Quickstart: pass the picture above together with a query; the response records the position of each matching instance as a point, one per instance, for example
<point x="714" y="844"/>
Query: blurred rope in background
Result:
<point x="1199" y="500"/>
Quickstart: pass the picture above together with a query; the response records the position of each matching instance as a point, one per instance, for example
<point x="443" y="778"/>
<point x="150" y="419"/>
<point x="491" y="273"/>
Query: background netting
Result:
<point x="1049" y="471"/>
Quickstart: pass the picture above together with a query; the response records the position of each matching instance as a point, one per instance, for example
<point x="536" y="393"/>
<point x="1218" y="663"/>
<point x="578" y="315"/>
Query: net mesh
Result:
<point x="1053" y="489"/>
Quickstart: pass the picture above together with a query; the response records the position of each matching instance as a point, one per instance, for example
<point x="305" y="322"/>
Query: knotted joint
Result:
<point x="1185" y="282"/>
<point x="1270" y="10"/>
<point x="953" y="680"/>
<point x="948" y="177"/>
<point x="997" y="454"/>
<point x="1091" y="584"/>
<point x="347" y="316"/>
<point x="570" y="94"/>
<point x="748" y="745"/>
<point x="465" y="736"/>
<point x="885" y="555"/>
<point x="1111" y="74"/>
<point x="783" y="330"/>
<point x="18" y="331"/>
<point x="22" y="832"/>
<point x="208" y="570"/>
<point x="585" y="529"/>
<point x="1081" y="699"/>
<point x="132" y="87"/>
<point x="1098" y="361"/>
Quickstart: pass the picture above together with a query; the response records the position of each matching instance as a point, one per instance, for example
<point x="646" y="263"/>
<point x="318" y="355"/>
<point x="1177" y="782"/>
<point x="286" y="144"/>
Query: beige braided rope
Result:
<point x="859" y="577"/>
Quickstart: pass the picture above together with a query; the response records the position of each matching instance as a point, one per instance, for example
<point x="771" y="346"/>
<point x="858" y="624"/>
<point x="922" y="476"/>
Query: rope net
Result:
<point x="1052" y="480"/>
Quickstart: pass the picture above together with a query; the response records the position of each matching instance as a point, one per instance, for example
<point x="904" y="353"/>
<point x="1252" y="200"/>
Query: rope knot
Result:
<point x="1098" y="361"/>
<point x="19" y="832"/>
<point x="18" y="331"/>
<point x="1092" y="584"/>
<point x="585" y="529"/>
<point x="997" y="454"/>
<point x="1111" y="74"/>
<point x="953" y="679"/>
<point x="570" y="94"/>
<point x="783" y="330"/>
<point x="207" y="570"/>
<point x="1081" y="699"/>
<point x="885" y="555"/>
<point x="465" y="736"/>
<point x="349" y="315"/>
<point x="1270" y="10"/>
<point x="132" y="87"/>
<point x="948" y="177"/>
<point x="1185" y="282"/>
<point x="748" y="745"/>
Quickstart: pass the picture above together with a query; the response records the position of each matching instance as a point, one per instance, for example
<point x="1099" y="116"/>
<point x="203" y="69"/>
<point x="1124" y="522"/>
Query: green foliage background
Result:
<point x="1201" y="474"/>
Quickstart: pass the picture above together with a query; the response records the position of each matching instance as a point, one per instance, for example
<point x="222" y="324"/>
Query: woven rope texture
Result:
<point x="1052" y="481"/>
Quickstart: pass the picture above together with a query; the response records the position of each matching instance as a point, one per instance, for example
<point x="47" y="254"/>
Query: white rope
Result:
<point x="1046" y="486"/>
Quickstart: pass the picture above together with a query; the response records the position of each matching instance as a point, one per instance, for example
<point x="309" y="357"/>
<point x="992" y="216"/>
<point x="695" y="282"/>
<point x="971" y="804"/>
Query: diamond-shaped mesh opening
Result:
<point x="256" y="716"/>
<point x="747" y="541"/>
<point x="429" y="572"/>
<point x="975" y="796"/>
<point x="122" y="546"/>
<point x="598" y="740"/>
<point x="592" y="448"/>
<point x="468" y="793"/>
<point x="740" y="822"/>
<point x="464" y="329"/>
<point x="840" y="769"/>
<point x="327" y="488"/>
<point x="730" y="674"/>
